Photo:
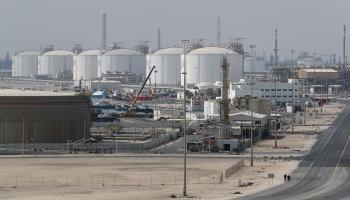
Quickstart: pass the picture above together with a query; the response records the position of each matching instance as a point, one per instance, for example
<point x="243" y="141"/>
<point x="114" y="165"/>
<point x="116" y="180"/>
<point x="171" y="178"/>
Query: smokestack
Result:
<point x="158" y="38"/>
<point x="218" y="34"/>
<point x="104" y="31"/>
<point x="344" y="57"/>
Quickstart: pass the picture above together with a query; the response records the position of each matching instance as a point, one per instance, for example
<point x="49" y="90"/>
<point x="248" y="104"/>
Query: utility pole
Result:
<point x="250" y="105"/>
<point x="184" y="42"/>
<point x="275" y="108"/>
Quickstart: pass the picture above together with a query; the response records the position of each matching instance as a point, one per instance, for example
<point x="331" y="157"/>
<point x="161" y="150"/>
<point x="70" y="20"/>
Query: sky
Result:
<point x="304" y="25"/>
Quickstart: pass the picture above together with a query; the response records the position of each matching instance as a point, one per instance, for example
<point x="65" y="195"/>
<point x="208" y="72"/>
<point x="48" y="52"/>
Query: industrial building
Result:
<point x="286" y="92"/>
<point x="168" y="63"/>
<point x="257" y="105"/>
<point x="85" y="65"/>
<point x="122" y="60"/>
<point x="317" y="73"/>
<point x="56" y="64"/>
<point x="43" y="117"/>
<point x="204" y="65"/>
<point x="25" y="64"/>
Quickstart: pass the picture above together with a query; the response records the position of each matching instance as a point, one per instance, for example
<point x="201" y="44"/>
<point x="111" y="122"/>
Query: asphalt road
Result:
<point x="324" y="172"/>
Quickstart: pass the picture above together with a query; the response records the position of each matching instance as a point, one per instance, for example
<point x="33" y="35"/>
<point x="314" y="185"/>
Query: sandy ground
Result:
<point x="57" y="178"/>
<point x="300" y="142"/>
<point x="324" y="118"/>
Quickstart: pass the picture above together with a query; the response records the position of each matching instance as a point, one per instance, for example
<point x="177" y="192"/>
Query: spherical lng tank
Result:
<point x="54" y="62"/>
<point x="85" y="65"/>
<point x="122" y="60"/>
<point x="168" y="66"/>
<point x="203" y="65"/>
<point x="25" y="64"/>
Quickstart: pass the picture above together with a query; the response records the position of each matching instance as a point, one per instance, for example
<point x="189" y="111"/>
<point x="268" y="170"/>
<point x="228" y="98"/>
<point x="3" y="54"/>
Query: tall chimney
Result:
<point x="218" y="34"/>
<point x="158" y="38"/>
<point x="104" y="31"/>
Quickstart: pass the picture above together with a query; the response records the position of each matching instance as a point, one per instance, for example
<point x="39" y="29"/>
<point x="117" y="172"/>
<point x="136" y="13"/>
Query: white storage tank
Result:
<point x="53" y="63"/>
<point x="168" y="66"/>
<point x="122" y="60"/>
<point x="25" y="64"/>
<point x="204" y="65"/>
<point x="85" y="65"/>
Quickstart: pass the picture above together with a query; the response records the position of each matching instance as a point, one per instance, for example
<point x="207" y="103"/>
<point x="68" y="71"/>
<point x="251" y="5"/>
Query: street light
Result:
<point x="293" y="51"/>
<point x="250" y="106"/>
<point x="275" y="108"/>
<point x="23" y="137"/>
<point x="184" y="42"/>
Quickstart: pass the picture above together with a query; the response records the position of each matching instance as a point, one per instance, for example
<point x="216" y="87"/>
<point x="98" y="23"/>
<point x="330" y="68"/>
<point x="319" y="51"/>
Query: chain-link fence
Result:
<point x="84" y="181"/>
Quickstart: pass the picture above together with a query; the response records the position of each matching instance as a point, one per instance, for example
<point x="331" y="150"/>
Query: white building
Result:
<point x="285" y="92"/>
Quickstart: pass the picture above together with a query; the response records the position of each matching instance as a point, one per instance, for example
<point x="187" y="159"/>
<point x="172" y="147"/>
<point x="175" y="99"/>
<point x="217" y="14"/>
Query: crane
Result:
<point x="129" y="111"/>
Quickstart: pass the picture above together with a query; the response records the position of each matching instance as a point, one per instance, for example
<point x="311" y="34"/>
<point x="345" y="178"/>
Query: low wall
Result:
<point x="234" y="168"/>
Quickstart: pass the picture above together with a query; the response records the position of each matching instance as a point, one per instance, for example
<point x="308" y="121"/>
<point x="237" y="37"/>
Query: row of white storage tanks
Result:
<point x="203" y="64"/>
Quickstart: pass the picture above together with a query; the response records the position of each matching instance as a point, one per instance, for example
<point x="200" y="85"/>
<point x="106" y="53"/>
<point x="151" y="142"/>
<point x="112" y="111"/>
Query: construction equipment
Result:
<point x="129" y="112"/>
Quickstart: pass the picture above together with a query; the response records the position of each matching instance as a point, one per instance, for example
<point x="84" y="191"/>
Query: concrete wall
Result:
<point x="47" y="119"/>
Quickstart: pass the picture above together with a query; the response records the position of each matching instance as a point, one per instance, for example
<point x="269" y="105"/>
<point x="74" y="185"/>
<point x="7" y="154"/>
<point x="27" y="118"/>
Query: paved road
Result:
<point x="324" y="172"/>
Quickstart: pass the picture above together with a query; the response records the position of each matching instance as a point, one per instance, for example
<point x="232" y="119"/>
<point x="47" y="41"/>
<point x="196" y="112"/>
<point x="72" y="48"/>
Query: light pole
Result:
<point x="23" y="137"/>
<point x="250" y="106"/>
<point x="293" y="51"/>
<point x="275" y="108"/>
<point x="116" y="140"/>
<point x="6" y="131"/>
<point x="155" y="90"/>
<point x="184" y="42"/>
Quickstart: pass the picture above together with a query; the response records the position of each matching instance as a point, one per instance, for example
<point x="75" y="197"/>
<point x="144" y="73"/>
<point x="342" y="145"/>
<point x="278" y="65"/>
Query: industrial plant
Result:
<point x="226" y="99"/>
<point x="224" y="83"/>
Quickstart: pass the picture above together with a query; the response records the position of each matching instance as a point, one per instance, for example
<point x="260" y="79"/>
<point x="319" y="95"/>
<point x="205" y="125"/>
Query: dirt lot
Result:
<point x="125" y="177"/>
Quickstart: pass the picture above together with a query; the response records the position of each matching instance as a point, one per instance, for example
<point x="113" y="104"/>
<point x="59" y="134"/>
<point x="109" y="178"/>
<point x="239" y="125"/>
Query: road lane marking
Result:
<point x="342" y="153"/>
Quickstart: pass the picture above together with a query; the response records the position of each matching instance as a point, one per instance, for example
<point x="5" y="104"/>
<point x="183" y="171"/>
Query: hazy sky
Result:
<point x="305" y="25"/>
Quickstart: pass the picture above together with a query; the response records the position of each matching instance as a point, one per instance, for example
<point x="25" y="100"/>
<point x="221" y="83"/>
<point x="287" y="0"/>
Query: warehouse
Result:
<point x="43" y="117"/>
